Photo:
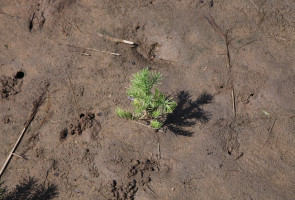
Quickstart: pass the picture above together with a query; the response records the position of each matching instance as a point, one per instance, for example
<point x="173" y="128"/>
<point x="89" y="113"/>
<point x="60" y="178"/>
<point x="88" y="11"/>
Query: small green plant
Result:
<point x="150" y="105"/>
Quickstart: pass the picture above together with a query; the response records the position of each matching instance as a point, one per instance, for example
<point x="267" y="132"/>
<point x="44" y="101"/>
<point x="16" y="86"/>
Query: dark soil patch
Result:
<point x="214" y="56"/>
<point x="83" y="123"/>
<point x="137" y="177"/>
<point x="10" y="85"/>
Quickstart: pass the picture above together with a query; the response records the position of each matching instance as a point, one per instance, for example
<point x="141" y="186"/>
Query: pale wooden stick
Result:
<point x="27" y="124"/>
<point x="18" y="155"/>
<point x="91" y="49"/>
<point x="254" y="4"/>
<point x="116" y="39"/>
<point x="11" y="153"/>
<point x="85" y="54"/>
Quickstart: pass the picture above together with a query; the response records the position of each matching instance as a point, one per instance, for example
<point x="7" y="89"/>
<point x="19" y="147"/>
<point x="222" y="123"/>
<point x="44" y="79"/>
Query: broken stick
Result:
<point x="91" y="49"/>
<point x="218" y="30"/>
<point x="117" y="40"/>
<point x="234" y="102"/>
<point x="37" y="104"/>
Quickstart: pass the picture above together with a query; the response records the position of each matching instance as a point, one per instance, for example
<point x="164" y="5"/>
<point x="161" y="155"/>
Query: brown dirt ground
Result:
<point x="77" y="148"/>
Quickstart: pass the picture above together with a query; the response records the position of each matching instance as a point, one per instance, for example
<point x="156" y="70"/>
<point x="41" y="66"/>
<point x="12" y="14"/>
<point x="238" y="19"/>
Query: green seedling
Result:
<point x="149" y="104"/>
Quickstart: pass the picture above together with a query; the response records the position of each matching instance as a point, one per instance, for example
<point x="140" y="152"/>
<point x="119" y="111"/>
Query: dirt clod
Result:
<point x="9" y="86"/>
<point x="137" y="176"/>
<point x="85" y="122"/>
<point x="6" y="119"/>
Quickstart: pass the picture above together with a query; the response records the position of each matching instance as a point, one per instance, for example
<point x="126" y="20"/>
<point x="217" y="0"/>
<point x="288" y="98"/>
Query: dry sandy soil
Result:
<point x="77" y="148"/>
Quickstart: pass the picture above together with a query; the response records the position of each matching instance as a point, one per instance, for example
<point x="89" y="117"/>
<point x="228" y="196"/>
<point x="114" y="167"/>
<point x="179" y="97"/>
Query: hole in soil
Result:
<point x="92" y="116"/>
<point x="63" y="134"/>
<point x="87" y="150"/>
<point x="211" y="4"/>
<point x="19" y="75"/>
<point x="229" y="152"/>
<point x="31" y="22"/>
<point x="82" y="115"/>
<point x="114" y="183"/>
<point x="251" y="94"/>
<point x="221" y="86"/>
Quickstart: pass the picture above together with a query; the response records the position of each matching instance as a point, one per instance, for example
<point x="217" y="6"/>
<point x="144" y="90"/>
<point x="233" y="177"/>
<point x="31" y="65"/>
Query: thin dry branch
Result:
<point x="218" y="30"/>
<point x="20" y="156"/>
<point x="227" y="42"/>
<point x="151" y="190"/>
<point x="116" y="39"/>
<point x="254" y="4"/>
<point x="159" y="151"/>
<point x="234" y="102"/>
<point x="92" y="49"/>
<point x="37" y="104"/>
<point x="270" y="131"/>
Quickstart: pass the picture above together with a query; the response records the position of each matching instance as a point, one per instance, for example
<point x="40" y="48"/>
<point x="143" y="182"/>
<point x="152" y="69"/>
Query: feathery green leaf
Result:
<point x="147" y="104"/>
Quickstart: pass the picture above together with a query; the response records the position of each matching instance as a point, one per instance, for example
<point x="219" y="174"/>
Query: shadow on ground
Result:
<point x="187" y="113"/>
<point x="30" y="189"/>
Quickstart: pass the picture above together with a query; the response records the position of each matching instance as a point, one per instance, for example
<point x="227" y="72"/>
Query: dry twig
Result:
<point x="20" y="156"/>
<point x="254" y="4"/>
<point x="37" y="104"/>
<point x="159" y="151"/>
<point x="234" y="102"/>
<point x="218" y="30"/>
<point x="270" y="131"/>
<point x="117" y="40"/>
<point x="151" y="190"/>
<point x="92" y="49"/>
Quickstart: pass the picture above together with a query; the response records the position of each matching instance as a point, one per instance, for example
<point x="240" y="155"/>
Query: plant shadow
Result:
<point x="187" y="113"/>
<point x="30" y="189"/>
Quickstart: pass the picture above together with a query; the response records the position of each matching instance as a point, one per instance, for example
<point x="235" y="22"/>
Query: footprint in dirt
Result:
<point x="85" y="121"/>
<point x="138" y="175"/>
<point x="11" y="85"/>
